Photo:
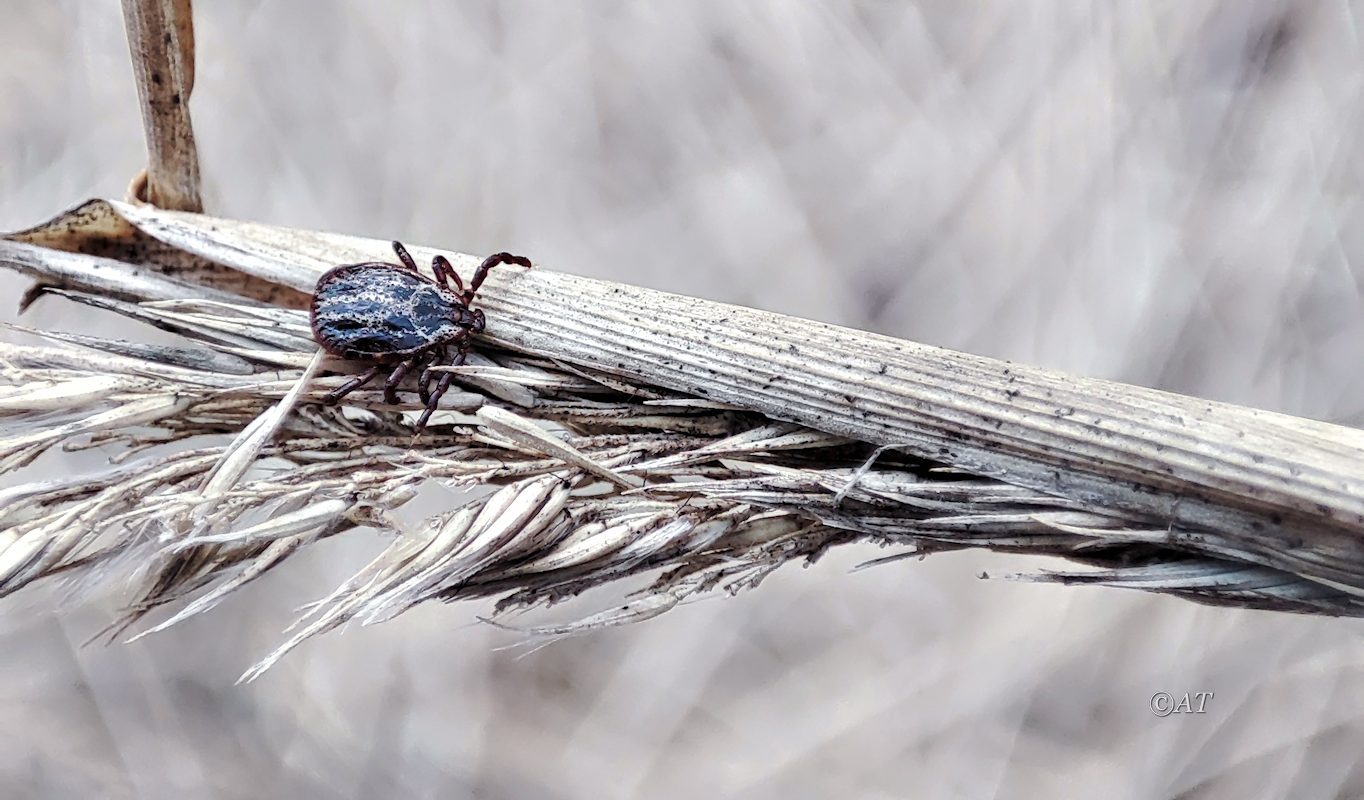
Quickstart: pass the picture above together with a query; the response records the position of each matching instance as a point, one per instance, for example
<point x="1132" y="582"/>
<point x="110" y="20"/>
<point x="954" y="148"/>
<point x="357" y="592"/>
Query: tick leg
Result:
<point x="434" y="402"/>
<point x="351" y="385"/>
<point x="445" y="273"/>
<point x="458" y="360"/>
<point x="395" y="378"/>
<point x="404" y="256"/>
<point x="443" y="385"/>
<point x="491" y="261"/>
<point x="424" y="382"/>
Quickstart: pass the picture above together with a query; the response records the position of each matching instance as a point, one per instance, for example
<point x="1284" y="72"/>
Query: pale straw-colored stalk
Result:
<point x="625" y="431"/>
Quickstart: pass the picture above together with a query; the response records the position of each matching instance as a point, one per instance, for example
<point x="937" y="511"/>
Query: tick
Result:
<point x="392" y="314"/>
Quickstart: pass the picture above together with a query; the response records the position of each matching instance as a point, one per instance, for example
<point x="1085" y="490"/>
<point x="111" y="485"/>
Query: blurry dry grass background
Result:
<point x="1157" y="192"/>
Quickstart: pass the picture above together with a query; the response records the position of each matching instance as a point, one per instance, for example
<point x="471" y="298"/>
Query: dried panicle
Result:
<point x="224" y="461"/>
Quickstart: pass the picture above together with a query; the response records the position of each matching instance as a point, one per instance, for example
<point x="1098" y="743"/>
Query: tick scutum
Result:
<point x="380" y="312"/>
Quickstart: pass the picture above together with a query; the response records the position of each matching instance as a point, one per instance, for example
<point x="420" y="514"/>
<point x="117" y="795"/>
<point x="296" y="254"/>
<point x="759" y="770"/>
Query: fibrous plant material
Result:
<point x="621" y="432"/>
<point x="161" y="41"/>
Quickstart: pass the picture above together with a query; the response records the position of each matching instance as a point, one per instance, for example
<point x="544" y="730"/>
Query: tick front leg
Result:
<point x="351" y="385"/>
<point x="395" y="378"/>
<point x="494" y="260"/>
<point x="445" y="273"/>
<point x="404" y="256"/>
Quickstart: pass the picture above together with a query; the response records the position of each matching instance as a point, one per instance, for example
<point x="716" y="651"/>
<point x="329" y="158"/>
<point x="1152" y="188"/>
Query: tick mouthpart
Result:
<point x="469" y="318"/>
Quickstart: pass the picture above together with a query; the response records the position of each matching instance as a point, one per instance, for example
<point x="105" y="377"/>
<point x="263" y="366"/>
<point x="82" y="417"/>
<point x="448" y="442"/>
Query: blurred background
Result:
<point x="1162" y="192"/>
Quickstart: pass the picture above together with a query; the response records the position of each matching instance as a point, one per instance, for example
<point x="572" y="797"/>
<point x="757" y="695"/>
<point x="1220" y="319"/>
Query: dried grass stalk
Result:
<point x="161" y="41"/>
<point x="625" y="431"/>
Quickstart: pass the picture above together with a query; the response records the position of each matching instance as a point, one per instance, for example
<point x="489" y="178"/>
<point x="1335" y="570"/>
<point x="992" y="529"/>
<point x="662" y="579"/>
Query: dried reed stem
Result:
<point x="627" y="431"/>
<point x="1279" y="491"/>
<point x="161" y="42"/>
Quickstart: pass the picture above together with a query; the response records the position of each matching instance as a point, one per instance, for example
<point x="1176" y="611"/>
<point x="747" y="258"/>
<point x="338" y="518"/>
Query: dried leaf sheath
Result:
<point x="714" y="447"/>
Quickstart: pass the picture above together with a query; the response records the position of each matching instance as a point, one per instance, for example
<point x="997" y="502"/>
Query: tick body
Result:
<point x="393" y="316"/>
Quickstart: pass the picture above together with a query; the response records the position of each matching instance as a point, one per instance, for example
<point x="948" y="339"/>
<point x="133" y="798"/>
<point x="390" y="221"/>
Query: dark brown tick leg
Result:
<point x="424" y="382"/>
<point x="351" y="385"/>
<point x="444" y="273"/>
<point x="431" y="405"/>
<point x="404" y="256"/>
<point x="443" y="385"/>
<point x="395" y="378"/>
<point x="496" y="259"/>
<point x="464" y="345"/>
